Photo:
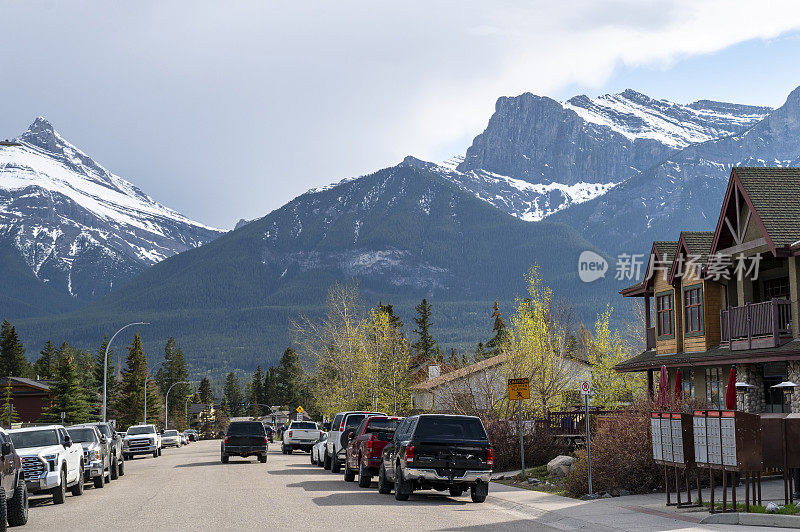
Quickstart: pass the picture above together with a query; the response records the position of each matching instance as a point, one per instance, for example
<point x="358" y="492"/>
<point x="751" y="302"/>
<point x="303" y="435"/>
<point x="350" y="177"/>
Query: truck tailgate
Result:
<point x="450" y="456"/>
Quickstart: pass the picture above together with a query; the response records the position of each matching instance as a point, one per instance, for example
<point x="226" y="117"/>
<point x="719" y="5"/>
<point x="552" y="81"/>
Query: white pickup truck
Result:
<point x="300" y="435"/>
<point x="141" y="439"/>
<point x="51" y="462"/>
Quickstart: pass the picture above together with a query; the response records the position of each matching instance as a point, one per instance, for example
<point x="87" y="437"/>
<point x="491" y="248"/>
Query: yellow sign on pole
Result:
<point x="519" y="389"/>
<point x="299" y="409"/>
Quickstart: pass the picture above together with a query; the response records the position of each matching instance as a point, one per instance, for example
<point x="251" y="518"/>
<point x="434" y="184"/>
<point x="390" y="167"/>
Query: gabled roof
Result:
<point x="33" y="383"/>
<point x="775" y="195"/>
<point x="460" y="373"/>
<point x="692" y="243"/>
<point x="661" y="250"/>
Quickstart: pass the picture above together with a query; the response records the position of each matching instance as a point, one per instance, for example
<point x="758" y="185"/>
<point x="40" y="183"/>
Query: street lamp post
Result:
<point x="187" y="408"/>
<point x="166" y="402"/>
<point x="105" y="365"/>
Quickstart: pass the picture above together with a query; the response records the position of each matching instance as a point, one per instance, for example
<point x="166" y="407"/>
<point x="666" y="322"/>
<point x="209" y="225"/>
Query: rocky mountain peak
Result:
<point x="42" y="134"/>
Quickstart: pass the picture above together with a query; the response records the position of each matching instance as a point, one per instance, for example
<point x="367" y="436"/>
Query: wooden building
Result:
<point x="30" y="397"/>
<point x="729" y="297"/>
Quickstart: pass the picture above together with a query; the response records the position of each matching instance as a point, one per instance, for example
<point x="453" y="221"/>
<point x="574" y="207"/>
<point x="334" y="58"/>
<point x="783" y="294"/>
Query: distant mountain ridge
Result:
<point x="81" y="229"/>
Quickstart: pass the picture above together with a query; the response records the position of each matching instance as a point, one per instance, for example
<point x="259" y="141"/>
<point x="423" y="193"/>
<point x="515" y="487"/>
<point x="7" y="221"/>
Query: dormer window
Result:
<point x="664" y="315"/>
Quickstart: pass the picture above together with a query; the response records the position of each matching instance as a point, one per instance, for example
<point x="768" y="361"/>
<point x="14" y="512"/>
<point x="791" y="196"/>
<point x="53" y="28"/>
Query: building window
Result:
<point x="778" y="288"/>
<point x="664" y="314"/>
<point x="715" y="389"/>
<point x="687" y="383"/>
<point x="693" y="310"/>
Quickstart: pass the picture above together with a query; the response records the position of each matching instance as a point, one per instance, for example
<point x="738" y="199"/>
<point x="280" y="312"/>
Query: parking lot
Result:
<point x="190" y="488"/>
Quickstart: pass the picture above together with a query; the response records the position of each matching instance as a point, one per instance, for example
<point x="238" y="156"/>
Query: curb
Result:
<point x="747" y="519"/>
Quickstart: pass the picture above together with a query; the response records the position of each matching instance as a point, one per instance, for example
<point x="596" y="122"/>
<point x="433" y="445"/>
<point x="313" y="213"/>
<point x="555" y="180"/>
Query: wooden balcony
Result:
<point x="757" y="325"/>
<point x="651" y="338"/>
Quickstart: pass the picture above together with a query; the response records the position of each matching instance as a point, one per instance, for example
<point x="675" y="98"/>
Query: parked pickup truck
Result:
<point x="96" y="458"/>
<point x="338" y="439"/>
<point x="245" y="438"/>
<point x="440" y="452"/>
<point x="141" y="439"/>
<point x="51" y="463"/>
<point x="300" y="435"/>
<point x="12" y="482"/>
<point x="366" y="447"/>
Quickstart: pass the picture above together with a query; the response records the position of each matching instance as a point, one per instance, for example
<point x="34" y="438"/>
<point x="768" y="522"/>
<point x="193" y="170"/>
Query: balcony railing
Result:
<point x="651" y="338"/>
<point x="757" y="325"/>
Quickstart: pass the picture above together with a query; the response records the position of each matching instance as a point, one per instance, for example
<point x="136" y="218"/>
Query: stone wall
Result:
<point x="754" y="398"/>
<point x="793" y="369"/>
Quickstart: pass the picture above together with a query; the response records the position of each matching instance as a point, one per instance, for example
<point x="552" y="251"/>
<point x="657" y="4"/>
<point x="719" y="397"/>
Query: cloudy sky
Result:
<point x="226" y="110"/>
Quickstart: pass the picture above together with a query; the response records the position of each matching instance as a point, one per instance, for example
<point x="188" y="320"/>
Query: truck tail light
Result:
<point x="226" y="440"/>
<point x="290" y="433"/>
<point x="266" y="440"/>
<point x="490" y="456"/>
<point x="341" y="427"/>
<point x="410" y="454"/>
<point x="369" y="446"/>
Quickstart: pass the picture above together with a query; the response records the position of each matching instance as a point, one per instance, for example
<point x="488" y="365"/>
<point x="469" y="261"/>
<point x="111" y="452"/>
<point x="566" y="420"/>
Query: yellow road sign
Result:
<point x="519" y="389"/>
<point x="299" y="409"/>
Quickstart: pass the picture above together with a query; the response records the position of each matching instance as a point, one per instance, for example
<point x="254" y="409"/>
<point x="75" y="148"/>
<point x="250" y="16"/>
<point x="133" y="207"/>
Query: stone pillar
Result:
<point x="794" y="291"/>
<point x="793" y="370"/>
<point x="754" y="401"/>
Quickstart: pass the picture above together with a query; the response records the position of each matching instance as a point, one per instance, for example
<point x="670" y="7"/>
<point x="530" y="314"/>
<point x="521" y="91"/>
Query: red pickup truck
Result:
<point x="366" y="447"/>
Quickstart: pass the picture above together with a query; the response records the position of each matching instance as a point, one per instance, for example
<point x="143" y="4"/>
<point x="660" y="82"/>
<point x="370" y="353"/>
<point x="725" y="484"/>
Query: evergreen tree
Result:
<point x="66" y="393"/>
<point x="232" y="396"/>
<point x="287" y="379"/>
<point x="425" y="347"/>
<point x="8" y="407"/>
<point x="85" y="364"/>
<point x="127" y="404"/>
<point x="271" y="387"/>
<point x="12" y="353"/>
<point x="256" y="392"/>
<point x="172" y="371"/>
<point x="453" y="360"/>
<point x="205" y="392"/>
<point x="43" y="368"/>
<point x="480" y="353"/>
<point x="500" y="330"/>
<point x="394" y="320"/>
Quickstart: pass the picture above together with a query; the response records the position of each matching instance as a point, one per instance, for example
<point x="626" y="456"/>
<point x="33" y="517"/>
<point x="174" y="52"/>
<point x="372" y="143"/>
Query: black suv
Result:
<point x="245" y="438"/>
<point x="437" y="451"/>
<point x="13" y="490"/>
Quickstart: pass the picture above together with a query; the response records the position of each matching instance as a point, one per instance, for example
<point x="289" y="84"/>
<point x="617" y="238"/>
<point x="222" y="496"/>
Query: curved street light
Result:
<point x="166" y="402"/>
<point x="105" y="363"/>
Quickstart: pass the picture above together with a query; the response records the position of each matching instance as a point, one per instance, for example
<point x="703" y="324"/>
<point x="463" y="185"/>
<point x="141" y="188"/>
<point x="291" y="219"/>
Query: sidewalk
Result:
<point x="635" y="512"/>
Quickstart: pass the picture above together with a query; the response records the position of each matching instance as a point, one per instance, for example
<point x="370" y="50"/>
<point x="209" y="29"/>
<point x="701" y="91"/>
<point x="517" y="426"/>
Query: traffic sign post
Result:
<point x="586" y="392"/>
<point x="519" y="389"/>
<point x="299" y="413"/>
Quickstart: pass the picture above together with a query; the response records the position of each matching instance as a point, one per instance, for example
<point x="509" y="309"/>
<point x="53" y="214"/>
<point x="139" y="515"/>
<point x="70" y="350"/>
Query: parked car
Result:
<point x="337" y="439"/>
<point x="317" y="451"/>
<point x="245" y="438"/>
<point x="270" y="433"/>
<point x="51" y="463"/>
<point x="12" y="483"/>
<point x="141" y="439"/>
<point x="440" y="452"/>
<point x="170" y="438"/>
<point x="114" y="446"/>
<point x="365" y="448"/>
<point x="96" y="463"/>
<point x="192" y="435"/>
<point x="300" y="435"/>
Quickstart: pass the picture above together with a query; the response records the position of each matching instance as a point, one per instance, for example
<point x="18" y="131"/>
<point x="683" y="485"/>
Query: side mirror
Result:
<point x="67" y="441"/>
<point x="103" y="440"/>
<point x="6" y="449"/>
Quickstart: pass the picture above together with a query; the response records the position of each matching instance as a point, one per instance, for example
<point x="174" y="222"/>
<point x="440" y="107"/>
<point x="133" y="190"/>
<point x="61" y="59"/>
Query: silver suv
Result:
<point x="336" y="444"/>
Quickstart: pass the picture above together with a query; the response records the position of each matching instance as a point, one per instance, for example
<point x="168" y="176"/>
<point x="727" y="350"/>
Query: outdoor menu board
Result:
<point x="672" y="438"/>
<point x="727" y="439"/>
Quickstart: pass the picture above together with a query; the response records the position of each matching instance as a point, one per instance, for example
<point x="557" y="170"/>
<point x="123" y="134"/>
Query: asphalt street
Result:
<point x="190" y="488"/>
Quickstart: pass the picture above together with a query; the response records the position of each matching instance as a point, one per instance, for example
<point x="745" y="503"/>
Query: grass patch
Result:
<point x="787" y="509"/>
<point x="547" y="483"/>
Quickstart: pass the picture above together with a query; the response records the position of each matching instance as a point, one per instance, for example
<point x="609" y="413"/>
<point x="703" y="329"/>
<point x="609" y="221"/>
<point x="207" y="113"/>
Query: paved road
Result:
<point x="189" y="487"/>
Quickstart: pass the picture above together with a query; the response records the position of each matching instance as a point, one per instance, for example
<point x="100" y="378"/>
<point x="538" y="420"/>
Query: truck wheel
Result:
<point x="77" y="489"/>
<point x="313" y="461"/>
<point x="456" y="492"/>
<point x="155" y="453"/>
<point x="364" y="478"/>
<point x="402" y="489"/>
<point x="159" y="451"/>
<point x="336" y="465"/>
<point x="349" y="474"/>
<point x="99" y="481"/>
<point x="326" y="462"/>
<point x="60" y="491"/>
<point x="108" y="475"/>
<point x="384" y="488"/>
<point x="477" y="496"/>
<point x="114" y="469"/>
<point x="262" y="458"/>
<point x="3" y="509"/>
<point x="225" y="458"/>
<point x="17" y="508"/>
<point x="121" y="466"/>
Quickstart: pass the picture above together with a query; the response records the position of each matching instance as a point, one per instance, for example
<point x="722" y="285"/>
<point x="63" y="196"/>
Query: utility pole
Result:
<point x="105" y="365"/>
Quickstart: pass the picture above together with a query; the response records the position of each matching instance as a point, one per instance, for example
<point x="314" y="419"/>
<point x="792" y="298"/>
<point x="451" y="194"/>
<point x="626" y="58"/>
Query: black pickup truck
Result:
<point x="245" y="438"/>
<point x="437" y="451"/>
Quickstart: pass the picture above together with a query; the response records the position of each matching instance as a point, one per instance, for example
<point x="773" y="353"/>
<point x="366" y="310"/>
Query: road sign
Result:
<point x="519" y="389"/>
<point x="299" y="409"/>
<point x="586" y="388"/>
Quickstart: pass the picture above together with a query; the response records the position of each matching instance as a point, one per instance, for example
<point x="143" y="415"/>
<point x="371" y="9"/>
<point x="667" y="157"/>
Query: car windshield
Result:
<point x="34" y="438"/>
<point x="82" y="434"/>
<point x="449" y="428"/>
<point x="382" y="425"/>
<point x="249" y="428"/>
<point x="104" y="430"/>
<point x="171" y="433"/>
<point x="141" y="430"/>
<point x="304" y="425"/>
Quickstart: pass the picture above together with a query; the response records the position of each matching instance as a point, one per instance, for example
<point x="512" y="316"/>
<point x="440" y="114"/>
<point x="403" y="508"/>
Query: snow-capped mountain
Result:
<point x="77" y="226"/>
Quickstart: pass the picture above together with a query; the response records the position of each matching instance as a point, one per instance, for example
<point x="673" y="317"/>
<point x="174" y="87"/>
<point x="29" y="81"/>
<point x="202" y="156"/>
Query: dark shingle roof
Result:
<point x="775" y="193"/>
<point x="699" y="243"/>
<point x="666" y="249"/>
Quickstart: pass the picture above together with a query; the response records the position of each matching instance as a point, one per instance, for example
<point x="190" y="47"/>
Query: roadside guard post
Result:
<point x="586" y="392"/>
<point x="519" y="389"/>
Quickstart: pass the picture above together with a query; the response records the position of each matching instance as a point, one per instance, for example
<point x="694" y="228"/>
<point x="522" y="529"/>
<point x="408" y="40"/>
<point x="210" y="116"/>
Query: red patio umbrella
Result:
<point x="730" y="392"/>
<point x="678" y="386"/>
<point x="663" y="388"/>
